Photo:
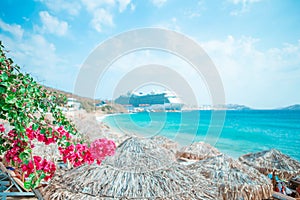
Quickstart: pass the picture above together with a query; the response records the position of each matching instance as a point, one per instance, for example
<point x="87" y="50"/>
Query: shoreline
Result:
<point x="235" y="146"/>
<point x="91" y="125"/>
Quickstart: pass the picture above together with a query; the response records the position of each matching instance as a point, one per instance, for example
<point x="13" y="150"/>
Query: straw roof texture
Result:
<point x="197" y="151"/>
<point x="140" y="169"/>
<point x="229" y="179"/>
<point x="165" y="143"/>
<point x="273" y="160"/>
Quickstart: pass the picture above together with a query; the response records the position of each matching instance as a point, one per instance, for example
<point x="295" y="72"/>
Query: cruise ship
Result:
<point x="151" y="102"/>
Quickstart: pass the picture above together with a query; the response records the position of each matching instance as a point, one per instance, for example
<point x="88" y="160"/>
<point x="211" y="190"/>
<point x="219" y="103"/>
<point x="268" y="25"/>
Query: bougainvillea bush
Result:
<point x="24" y="106"/>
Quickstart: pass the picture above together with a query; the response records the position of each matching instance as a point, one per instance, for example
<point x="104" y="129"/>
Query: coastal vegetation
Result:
<point x="89" y="104"/>
<point x="30" y="114"/>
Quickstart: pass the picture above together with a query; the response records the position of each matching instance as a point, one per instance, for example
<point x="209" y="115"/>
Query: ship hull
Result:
<point x="155" y="102"/>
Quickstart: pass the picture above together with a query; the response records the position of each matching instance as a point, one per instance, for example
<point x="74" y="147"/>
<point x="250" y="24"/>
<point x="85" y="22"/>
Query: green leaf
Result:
<point x="37" y="182"/>
<point x="26" y="139"/>
<point x="5" y="84"/>
<point x="6" y="107"/>
<point x="20" y="76"/>
<point x="10" y="61"/>
<point x="35" y="127"/>
<point x="43" y="131"/>
<point x="10" y="99"/>
<point x="50" y="130"/>
<point x="25" y="155"/>
<point x="68" y="144"/>
<point x="22" y="90"/>
<point x="12" y="77"/>
<point x="28" y="181"/>
<point x="19" y="104"/>
<point x="20" y="128"/>
<point x="3" y="149"/>
<point x="27" y="185"/>
<point x="2" y="89"/>
<point x="4" y="76"/>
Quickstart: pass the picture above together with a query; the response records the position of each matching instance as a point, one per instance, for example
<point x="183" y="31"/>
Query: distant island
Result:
<point x="222" y="107"/>
<point x="237" y="107"/>
<point x="291" y="107"/>
<point x="243" y="107"/>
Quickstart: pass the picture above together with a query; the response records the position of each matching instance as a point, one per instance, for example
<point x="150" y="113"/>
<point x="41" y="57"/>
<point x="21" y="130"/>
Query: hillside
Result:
<point x="88" y="104"/>
<point x="291" y="107"/>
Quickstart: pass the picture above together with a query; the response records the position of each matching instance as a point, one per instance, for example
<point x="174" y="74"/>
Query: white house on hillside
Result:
<point x="73" y="104"/>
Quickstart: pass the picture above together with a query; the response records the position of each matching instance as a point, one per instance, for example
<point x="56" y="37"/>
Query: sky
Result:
<point x="254" y="44"/>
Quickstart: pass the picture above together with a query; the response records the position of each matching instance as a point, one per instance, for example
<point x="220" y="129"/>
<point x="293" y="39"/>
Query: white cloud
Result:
<point x="52" y="24"/>
<point x="92" y="5"/>
<point x="39" y="57"/>
<point x="35" y="52"/>
<point x="132" y="7"/>
<point x="123" y="4"/>
<point x="170" y="24"/>
<point x="252" y="75"/>
<point x="14" y="29"/>
<point x="101" y="17"/>
<point x="191" y="14"/>
<point x="243" y="1"/>
<point x="158" y="3"/>
<point x="39" y="48"/>
<point x="245" y="6"/>
<point x="196" y="11"/>
<point x="73" y="8"/>
<point x="100" y="10"/>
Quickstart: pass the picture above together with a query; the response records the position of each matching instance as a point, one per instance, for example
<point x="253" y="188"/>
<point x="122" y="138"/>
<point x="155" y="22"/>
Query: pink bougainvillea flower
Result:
<point x="31" y="134"/>
<point x="11" y="134"/>
<point x="2" y="128"/>
<point x="101" y="148"/>
<point x="44" y="165"/>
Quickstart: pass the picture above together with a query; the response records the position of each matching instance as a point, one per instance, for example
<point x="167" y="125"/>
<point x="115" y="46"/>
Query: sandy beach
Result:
<point x="90" y="125"/>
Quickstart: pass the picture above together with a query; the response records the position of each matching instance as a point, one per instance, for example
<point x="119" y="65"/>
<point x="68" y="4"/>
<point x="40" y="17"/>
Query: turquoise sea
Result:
<point x="239" y="133"/>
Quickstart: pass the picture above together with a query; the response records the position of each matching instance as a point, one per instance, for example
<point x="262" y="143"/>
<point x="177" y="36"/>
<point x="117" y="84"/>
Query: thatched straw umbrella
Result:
<point x="139" y="170"/>
<point x="229" y="179"/>
<point x="165" y="143"/>
<point x="197" y="151"/>
<point x="273" y="161"/>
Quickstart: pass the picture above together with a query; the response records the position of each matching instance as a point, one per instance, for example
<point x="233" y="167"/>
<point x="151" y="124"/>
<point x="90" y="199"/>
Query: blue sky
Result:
<point x="255" y="44"/>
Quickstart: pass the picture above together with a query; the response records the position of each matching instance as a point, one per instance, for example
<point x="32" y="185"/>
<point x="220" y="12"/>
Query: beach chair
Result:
<point x="280" y="196"/>
<point x="11" y="186"/>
